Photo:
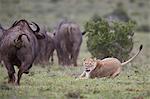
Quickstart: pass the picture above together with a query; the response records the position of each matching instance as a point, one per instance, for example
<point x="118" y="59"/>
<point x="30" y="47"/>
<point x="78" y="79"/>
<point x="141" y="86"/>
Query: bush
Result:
<point x="109" y="39"/>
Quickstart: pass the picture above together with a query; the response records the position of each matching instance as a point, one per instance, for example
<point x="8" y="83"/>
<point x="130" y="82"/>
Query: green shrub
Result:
<point x="109" y="39"/>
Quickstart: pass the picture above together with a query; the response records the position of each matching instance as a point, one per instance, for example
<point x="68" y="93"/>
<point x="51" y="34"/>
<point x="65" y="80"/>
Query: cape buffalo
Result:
<point x="1" y="31"/>
<point x="68" y="39"/>
<point x="51" y="47"/>
<point x="19" y="46"/>
<point x="46" y="48"/>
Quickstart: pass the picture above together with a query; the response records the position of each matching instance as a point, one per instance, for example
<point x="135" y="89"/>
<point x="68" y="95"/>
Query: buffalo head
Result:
<point x="35" y="31"/>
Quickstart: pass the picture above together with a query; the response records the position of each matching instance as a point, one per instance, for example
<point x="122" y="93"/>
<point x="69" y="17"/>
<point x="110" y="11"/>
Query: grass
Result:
<point x="56" y="82"/>
<point x="61" y="83"/>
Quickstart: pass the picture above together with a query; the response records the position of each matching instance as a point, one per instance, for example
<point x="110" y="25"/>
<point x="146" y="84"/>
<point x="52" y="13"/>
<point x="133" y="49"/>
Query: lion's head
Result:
<point x="89" y="64"/>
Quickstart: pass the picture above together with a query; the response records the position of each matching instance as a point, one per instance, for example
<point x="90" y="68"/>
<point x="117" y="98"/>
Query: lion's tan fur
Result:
<point x="108" y="67"/>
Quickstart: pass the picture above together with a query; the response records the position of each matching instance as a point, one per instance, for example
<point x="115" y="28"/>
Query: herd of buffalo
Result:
<point x="25" y="44"/>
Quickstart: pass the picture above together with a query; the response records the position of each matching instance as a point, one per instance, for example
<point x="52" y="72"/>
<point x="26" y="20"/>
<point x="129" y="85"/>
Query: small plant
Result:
<point x="113" y="39"/>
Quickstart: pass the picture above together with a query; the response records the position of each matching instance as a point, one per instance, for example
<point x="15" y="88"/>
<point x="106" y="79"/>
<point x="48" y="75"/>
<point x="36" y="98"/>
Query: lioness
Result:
<point x="108" y="67"/>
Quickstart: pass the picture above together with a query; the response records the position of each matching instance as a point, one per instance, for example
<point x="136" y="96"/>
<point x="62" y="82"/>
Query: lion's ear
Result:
<point x="84" y="59"/>
<point x="94" y="59"/>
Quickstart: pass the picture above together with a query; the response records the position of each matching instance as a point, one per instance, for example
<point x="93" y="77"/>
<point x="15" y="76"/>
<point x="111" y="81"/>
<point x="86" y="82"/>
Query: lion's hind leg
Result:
<point x="116" y="73"/>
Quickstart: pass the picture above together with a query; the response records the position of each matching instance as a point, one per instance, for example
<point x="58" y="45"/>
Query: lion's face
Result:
<point x="89" y="64"/>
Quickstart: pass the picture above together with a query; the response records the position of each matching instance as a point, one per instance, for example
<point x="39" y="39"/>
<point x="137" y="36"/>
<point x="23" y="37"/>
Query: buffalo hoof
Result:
<point x="17" y="84"/>
<point x="11" y="82"/>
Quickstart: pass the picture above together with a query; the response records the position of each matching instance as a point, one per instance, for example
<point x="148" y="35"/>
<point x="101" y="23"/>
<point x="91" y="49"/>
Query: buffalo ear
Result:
<point x="40" y="36"/>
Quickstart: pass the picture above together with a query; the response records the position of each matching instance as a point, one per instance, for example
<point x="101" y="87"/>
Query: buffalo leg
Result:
<point x="65" y="54"/>
<point x="23" y="69"/>
<point x="27" y="71"/>
<point x="74" y="55"/>
<point x="59" y="57"/>
<point x="59" y="54"/>
<point x="11" y="72"/>
<point x="66" y="60"/>
<point x="52" y="58"/>
<point x="20" y="72"/>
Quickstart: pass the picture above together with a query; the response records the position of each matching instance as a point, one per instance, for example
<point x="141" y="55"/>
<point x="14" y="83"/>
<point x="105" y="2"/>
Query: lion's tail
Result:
<point x="124" y="63"/>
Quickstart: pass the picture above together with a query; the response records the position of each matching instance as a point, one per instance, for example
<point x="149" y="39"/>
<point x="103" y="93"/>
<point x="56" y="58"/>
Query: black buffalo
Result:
<point x="68" y="39"/>
<point x="19" y="46"/>
<point x="46" y="48"/>
<point x="1" y="33"/>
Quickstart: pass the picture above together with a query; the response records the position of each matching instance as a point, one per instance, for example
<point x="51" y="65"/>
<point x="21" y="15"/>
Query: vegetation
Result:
<point x="56" y="82"/>
<point x="109" y="39"/>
